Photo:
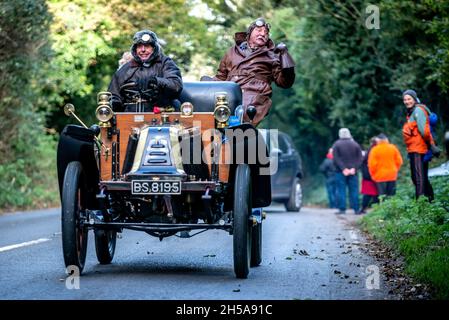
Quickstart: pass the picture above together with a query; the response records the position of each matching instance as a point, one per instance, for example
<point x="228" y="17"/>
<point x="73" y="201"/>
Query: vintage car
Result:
<point x="165" y="173"/>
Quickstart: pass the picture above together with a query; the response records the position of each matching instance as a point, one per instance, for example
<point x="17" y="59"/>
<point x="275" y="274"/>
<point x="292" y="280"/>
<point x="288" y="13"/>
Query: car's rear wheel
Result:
<point x="294" y="202"/>
<point x="256" y="245"/>
<point x="241" y="223"/>
<point x="105" y="241"/>
<point x="74" y="232"/>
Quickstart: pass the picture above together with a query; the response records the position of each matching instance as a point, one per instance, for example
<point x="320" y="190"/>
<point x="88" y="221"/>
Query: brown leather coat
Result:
<point x="254" y="72"/>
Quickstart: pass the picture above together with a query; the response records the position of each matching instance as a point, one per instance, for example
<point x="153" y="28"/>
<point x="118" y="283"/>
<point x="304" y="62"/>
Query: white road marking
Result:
<point x="23" y="244"/>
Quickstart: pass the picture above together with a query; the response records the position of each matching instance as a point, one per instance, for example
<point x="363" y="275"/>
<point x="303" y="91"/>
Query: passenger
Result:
<point x="126" y="57"/>
<point x="254" y="62"/>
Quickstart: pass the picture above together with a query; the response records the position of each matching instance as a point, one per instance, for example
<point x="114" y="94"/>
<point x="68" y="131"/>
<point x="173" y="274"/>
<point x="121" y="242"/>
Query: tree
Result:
<point x="23" y="52"/>
<point x="89" y="37"/>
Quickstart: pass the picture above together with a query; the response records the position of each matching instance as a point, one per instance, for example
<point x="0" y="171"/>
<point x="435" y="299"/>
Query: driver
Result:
<point x="150" y="79"/>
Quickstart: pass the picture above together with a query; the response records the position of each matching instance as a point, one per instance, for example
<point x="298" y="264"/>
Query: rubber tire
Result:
<point x="74" y="239"/>
<point x="241" y="224"/>
<point x="105" y="241"/>
<point x="256" y="245"/>
<point x="290" y="204"/>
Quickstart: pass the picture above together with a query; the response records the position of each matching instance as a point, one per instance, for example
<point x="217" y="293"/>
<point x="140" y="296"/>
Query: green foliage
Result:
<point x="350" y="76"/>
<point x="89" y="37"/>
<point x="31" y="181"/>
<point x="419" y="230"/>
<point x="438" y="27"/>
<point x="22" y="44"/>
<point x="27" y="153"/>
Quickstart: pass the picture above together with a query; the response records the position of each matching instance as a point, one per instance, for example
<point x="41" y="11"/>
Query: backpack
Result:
<point x="433" y="120"/>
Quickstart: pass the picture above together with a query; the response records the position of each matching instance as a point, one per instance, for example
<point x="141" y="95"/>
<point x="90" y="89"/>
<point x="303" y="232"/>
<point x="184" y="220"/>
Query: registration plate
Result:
<point x="155" y="187"/>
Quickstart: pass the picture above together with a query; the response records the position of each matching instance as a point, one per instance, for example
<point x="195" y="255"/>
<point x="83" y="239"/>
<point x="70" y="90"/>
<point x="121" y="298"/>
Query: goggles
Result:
<point x="261" y="23"/>
<point x="143" y="37"/>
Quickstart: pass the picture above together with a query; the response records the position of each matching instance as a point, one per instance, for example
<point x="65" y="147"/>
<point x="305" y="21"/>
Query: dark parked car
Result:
<point x="446" y="142"/>
<point x="286" y="180"/>
<point x="441" y="170"/>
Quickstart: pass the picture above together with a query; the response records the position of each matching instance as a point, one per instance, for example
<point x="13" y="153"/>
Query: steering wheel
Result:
<point x="130" y="91"/>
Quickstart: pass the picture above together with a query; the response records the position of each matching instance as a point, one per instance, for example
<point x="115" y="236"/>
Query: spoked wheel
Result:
<point x="256" y="245"/>
<point x="105" y="245"/>
<point x="294" y="203"/>
<point x="74" y="233"/>
<point x="241" y="223"/>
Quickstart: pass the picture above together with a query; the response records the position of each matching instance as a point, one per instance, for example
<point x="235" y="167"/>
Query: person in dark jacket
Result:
<point x="369" y="187"/>
<point x="149" y="80"/>
<point x="329" y="170"/>
<point x="254" y="63"/>
<point x="348" y="158"/>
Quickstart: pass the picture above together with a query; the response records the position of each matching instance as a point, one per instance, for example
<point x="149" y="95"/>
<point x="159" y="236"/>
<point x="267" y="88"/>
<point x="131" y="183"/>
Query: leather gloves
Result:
<point x="281" y="48"/>
<point x="151" y="92"/>
<point x="146" y="83"/>
<point x="146" y="88"/>
<point x="284" y="57"/>
<point x="149" y="88"/>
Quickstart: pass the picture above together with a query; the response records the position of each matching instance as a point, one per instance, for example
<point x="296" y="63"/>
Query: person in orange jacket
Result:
<point x="384" y="162"/>
<point x="418" y="139"/>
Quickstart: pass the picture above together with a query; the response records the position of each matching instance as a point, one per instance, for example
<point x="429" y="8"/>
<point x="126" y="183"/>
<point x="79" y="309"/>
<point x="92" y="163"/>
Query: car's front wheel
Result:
<point x="294" y="202"/>
<point x="74" y="232"/>
<point x="241" y="223"/>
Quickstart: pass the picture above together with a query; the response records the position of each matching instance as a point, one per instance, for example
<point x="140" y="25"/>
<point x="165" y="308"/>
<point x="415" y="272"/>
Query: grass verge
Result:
<point x="418" y="230"/>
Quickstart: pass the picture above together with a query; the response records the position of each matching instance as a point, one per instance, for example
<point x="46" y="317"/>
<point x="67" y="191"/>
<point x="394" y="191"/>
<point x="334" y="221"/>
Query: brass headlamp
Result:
<point x="222" y="111"/>
<point x="186" y="109"/>
<point x="104" y="111"/>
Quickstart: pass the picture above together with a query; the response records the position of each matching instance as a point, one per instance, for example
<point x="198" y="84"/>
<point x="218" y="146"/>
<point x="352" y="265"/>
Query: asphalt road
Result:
<point x="312" y="254"/>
